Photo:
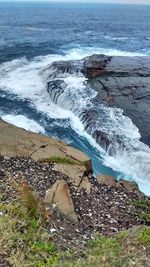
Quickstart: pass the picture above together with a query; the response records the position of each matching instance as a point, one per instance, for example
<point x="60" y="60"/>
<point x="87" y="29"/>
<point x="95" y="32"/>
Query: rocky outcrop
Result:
<point x="18" y="142"/>
<point x="95" y="65"/>
<point x="112" y="182"/>
<point x="130" y="186"/>
<point x="124" y="82"/>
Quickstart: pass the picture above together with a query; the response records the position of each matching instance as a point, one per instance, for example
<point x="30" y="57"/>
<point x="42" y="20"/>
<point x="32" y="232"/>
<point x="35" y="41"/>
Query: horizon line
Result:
<point x="74" y="1"/>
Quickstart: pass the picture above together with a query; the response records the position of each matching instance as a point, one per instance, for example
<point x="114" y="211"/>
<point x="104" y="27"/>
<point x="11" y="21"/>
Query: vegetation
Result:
<point x="144" y="236"/>
<point x="26" y="241"/>
<point x="142" y="209"/>
<point x="62" y="160"/>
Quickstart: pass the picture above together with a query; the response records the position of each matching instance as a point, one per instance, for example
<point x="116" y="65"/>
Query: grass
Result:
<point x="103" y="251"/>
<point x="36" y="207"/>
<point x="26" y="241"/>
<point x="142" y="209"/>
<point x="144" y="236"/>
<point x="61" y="160"/>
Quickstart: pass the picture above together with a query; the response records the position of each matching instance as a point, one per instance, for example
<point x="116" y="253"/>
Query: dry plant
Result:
<point x="35" y="205"/>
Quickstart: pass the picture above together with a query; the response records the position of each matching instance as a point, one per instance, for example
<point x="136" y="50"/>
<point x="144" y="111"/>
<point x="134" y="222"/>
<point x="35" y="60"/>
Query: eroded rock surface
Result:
<point x="15" y="141"/>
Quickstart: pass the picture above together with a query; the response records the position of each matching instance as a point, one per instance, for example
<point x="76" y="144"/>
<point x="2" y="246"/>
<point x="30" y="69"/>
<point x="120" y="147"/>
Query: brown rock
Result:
<point x="15" y="141"/>
<point x="76" y="175"/>
<point x="59" y="193"/>
<point x="130" y="186"/>
<point x="106" y="179"/>
<point x="85" y="184"/>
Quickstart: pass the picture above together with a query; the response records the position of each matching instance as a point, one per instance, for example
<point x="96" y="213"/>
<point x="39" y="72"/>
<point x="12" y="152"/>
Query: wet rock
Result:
<point x="124" y="82"/>
<point x="94" y="66"/>
<point x="60" y="194"/>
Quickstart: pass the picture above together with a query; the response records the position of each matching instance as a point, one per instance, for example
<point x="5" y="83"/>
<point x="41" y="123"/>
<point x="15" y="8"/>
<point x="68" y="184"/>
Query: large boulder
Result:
<point x="76" y="174"/>
<point x="59" y="194"/>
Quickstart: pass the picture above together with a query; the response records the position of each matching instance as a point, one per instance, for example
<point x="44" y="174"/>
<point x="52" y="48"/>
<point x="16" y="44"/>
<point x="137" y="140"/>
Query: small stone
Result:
<point x="52" y="230"/>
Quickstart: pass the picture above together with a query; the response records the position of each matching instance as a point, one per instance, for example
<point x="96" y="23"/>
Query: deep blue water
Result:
<point x="31" y="29"/>
<point x="32" y="35"/>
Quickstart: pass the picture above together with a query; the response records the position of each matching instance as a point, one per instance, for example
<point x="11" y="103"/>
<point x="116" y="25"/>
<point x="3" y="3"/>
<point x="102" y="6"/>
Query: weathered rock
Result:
<point x="95" y="66"/>
<point x="15" y="141"/>
<point x="76" y="175"/>
<point x="106" y="179"/>
<point x="60" y="194"/>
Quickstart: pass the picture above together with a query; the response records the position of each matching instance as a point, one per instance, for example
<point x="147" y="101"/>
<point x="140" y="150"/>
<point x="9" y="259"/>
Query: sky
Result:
<point x="97" y="1"/>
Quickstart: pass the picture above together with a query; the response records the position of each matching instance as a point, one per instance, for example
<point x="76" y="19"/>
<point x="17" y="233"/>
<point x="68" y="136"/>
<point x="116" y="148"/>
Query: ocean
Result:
<point x="33" y="35"/>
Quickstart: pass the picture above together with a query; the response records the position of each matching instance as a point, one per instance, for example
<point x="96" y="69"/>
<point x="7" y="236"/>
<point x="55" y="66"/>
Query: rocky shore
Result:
<point x="122" y="82"/>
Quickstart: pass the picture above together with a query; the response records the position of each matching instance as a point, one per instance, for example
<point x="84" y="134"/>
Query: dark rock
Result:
<point x="125" y="83"/>
<point x="95" y="66"/>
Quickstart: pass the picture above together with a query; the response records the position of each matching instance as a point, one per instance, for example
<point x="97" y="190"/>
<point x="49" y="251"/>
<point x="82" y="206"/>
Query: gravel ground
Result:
<point x="105" y="210"/>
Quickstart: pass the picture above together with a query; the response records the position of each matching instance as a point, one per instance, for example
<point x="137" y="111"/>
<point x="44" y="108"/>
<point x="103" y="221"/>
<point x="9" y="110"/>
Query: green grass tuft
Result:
<point x="61" y="160"/>
<point x="144" y="236"/>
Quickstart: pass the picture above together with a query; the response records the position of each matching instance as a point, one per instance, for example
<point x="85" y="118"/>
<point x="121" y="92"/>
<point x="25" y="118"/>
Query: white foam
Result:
<point x="108" y="37"/>
<point x="21" y="77"/>
<point x="79" y="53"/>
<point x="23" y="122"/>
<point x="134" y="163"/>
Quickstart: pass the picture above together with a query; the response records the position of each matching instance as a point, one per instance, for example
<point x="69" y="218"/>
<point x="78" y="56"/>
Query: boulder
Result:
<point x="76" y="175"/>
<point x="94" y="65"/>
<point x="106" y="179"/>
<point x="59" y="194"/>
